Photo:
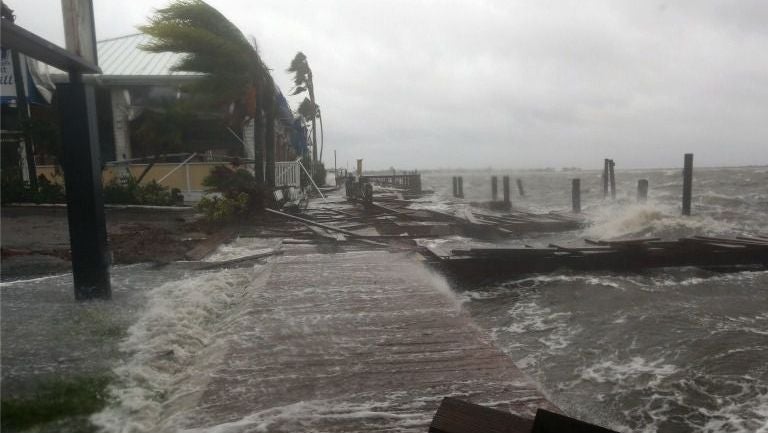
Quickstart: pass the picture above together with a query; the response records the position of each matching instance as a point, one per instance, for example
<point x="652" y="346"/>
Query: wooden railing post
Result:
<point x="687" y="183"/>
<point x="576" y="195"/>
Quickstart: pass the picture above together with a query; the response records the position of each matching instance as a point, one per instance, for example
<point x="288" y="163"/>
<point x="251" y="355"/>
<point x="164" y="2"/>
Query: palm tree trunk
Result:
<point x="320" y="116"/>
<point x="311" y="88"/>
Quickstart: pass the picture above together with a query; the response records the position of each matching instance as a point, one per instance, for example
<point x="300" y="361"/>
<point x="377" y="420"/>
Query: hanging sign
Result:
<point x="7" y="82"/>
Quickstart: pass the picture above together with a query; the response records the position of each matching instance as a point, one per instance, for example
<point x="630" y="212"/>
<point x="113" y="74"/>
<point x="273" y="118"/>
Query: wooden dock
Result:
<point x="620" y="256"/>
<point x="354" y="341"/>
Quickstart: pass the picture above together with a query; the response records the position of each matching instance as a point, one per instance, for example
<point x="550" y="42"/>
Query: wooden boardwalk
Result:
<point x="355" y="341"/>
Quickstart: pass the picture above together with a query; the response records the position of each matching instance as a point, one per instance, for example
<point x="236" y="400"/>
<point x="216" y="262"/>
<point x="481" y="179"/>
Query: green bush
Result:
<point x="240" y="195"/>
<point x="14" y="190"/>
<point x="152" y="193"/>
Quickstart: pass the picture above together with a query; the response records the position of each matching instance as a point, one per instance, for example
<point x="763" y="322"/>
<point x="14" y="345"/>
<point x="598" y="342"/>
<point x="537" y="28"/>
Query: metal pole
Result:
<point x="176" y="168"/>
<point x="687" y="183"/>
<point x="298" y="160"/>
<point x="82" y="178"/>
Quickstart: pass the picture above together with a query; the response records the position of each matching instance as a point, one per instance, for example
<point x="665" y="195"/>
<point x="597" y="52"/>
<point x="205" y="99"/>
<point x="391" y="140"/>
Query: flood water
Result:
<point x="671" y="350"/>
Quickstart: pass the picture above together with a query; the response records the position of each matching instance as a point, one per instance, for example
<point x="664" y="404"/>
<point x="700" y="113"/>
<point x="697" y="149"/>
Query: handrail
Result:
<point x="176" y="168"/>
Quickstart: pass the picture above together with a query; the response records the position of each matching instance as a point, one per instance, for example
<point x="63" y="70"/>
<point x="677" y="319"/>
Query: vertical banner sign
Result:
<point x="8" y="89"/>
<point x="79" y="28"/>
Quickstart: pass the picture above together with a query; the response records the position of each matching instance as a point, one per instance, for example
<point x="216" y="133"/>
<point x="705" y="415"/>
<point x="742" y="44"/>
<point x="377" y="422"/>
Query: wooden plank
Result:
<point x="211" y="243"/>
<point x="457" y="416"/>
<point x="250" y="258"/>
<point x="551" y="422"/>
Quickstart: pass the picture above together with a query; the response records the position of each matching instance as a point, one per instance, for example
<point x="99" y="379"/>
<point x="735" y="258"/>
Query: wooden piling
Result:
<point x="455" y="186"/>
<point x="606" y="163"/>
<point x="461" y="187"/>
<point x="612" y="178"/>
<point x="520" y="189"/>
<point x="505" y="188"/>
<point x="494" y="188"/>
<point x="642" y="190"/>
<point x="687" y="183"/>
<point x="576" y="195"/>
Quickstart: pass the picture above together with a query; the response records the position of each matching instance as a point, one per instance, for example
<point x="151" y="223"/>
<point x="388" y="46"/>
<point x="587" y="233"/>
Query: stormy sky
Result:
<point x="508" y="84"/>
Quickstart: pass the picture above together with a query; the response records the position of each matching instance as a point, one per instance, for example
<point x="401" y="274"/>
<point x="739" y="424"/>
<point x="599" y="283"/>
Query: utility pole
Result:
<point x="82" y="160"/>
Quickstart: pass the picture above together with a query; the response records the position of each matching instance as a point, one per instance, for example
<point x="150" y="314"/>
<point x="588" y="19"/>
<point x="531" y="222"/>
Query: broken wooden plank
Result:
<point x="457" y="416"/>
<point x="211" y="243"/>
<point x="239" y="260"/>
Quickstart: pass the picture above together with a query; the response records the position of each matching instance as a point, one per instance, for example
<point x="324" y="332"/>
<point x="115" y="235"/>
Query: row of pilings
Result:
<point x="609" y="186"/>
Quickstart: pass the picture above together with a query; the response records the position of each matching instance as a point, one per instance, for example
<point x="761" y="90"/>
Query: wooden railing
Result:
<point x="409" y="182"/>
<point x="288" y="174"/>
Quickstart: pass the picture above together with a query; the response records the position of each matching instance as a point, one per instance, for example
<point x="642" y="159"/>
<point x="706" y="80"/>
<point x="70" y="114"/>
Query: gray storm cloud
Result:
<point x="427" y="84"/>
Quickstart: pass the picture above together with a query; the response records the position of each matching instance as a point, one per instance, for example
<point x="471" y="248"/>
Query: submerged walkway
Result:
<point x="354" y="341"/>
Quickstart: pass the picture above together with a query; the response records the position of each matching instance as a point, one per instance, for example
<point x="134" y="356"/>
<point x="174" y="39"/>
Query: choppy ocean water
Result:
<point x="670" y="350"/>
<point x="666" y="350"/>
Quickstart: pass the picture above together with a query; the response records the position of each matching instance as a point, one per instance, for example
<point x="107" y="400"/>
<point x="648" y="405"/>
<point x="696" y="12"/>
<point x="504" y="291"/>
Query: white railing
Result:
<point x="288" y="173"/>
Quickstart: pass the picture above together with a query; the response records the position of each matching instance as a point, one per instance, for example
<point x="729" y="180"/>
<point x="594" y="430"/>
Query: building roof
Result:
<point x="122" y="57"/>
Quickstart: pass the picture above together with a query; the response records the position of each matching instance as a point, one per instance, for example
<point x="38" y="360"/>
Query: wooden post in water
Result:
<point x="494" y="188"/>
<point x="359" y="167"/>
<point x="576" y="195"/>
<point x="520" y="189"/>
<point x="455" y="186"/>
<point x="461" y="187"/>
<point x="613" y="179"/>
<point x="505" y="188"/>
<point x="687" y="183"/>
<point x="642" y="190"/>
<point x="606" y="163"/>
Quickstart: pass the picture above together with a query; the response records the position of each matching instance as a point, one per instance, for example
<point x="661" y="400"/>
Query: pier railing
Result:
<point x="409" y="182"/>
<point x="288" y="173"/>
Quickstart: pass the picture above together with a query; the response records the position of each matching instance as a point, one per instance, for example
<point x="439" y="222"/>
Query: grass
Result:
<point x="66" y="401"/>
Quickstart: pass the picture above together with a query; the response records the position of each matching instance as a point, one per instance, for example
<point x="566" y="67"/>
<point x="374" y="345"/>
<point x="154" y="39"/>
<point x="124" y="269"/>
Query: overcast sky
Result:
<point x="508" y="84"/>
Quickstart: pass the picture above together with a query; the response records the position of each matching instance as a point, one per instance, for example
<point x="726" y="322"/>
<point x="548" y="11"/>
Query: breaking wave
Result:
<point x="649" y="220"/>
<point x="166" y="350"/>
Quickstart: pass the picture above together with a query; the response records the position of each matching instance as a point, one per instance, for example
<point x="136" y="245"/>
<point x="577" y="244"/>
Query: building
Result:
<point x="135" y="85"/>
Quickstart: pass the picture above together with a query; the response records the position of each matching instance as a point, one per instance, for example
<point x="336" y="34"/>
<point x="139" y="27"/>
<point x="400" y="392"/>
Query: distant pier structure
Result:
<point x="410" y="182"/>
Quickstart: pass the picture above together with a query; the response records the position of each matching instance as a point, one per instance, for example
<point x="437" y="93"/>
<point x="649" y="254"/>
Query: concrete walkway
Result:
<point x="355" y="341"/>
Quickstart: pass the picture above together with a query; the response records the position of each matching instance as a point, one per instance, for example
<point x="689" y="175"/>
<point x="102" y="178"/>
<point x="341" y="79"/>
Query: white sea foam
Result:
<point x="305" y="415"/>
<point x="638" y="371"/>
<point x="170" y="336"/>
<point x="651" y="219"/>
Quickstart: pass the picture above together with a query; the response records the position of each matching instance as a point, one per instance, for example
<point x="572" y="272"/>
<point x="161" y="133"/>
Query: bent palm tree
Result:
<point x="302" y="79"/>
<point x="233" y="73"/>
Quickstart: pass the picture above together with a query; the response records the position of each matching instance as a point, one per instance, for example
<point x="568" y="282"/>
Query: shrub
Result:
<point x="152" y="193"/>
<point x="14" y="190"/>
<point x="240" y="195"/>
